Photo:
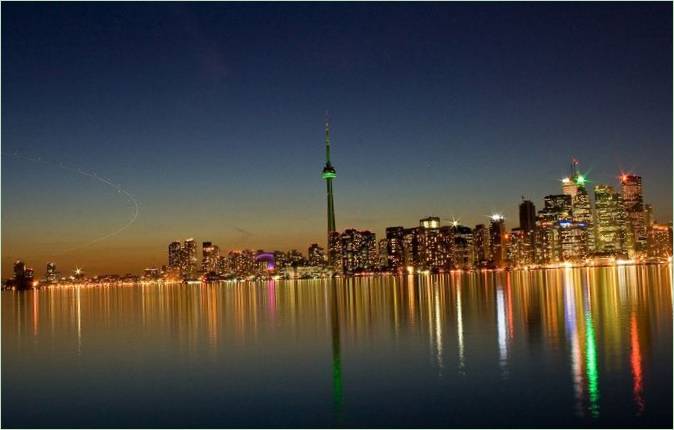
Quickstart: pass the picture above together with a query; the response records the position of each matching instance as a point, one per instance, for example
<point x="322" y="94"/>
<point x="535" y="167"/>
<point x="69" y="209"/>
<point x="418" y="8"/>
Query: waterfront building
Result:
<point x="520" y="250"/>
<point x="382" y="258"/>
<point x="481" y="241"/>
<point x="527" y="215"/>
<point x="462" y="251"/>
<point x="189" y="259"/>
<point x="612" y="226"/>
<point x="209" y="257"/>
<point x="52" y="275"/>
<point x="660" y="241"/>
<point x="582" y="220"/>
<point x="316" y="255"/>
<point x="497" y="241"/>
<point x="411" y="248"/>
<point x="175" y="255"/>
<point x="429" y="243"/>
<point x="358" y="251"/>
<point x="633" y="199"/>
<point x="395" y="248"/>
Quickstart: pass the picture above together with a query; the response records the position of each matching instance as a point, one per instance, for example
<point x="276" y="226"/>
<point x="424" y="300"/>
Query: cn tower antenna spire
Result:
<point x="329" y="174"/>
<point x="327" y="138"/>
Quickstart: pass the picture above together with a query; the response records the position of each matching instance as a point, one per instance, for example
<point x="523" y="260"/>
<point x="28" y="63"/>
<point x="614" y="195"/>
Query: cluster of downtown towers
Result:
<point x="569" y="228"/>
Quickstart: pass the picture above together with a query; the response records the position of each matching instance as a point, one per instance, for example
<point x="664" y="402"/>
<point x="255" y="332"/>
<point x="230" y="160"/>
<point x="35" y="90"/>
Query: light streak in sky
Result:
<point x="92" y="175"/>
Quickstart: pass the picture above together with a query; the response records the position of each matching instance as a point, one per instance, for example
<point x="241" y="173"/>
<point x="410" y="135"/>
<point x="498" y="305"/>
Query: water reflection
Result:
<point x="599" y="324"/>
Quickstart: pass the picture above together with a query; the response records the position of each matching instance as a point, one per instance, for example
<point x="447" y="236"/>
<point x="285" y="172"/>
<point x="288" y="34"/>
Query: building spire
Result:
<point x="327" y="139"/>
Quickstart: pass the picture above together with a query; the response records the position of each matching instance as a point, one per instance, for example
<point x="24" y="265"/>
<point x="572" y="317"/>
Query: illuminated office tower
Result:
<point x="382" y="255"/>
<point x="582" y="218"/>
<point x="481" y="241"/>
<point x="189" y="259"/>
<point x="462" y="251"/>
<point x="51" y="272"/>
<point x="395" y="248"/>
<point x="556" y="209"/>
<point x="358" y="251"/>
<point x="209" y="257"/>
<point x="612" y="226"/>
<point x="634" y="206"/>
<point x="411" y="248"/>
<point x="527" y="216"/>
<point x="570" y="183"/>
<point x="174" y="255"/>
<point x="429" y="243"/>
<point x="20" y="281"/>
<point x="660" y="241"/>
<point x="316" y="255"/>
<point x="295" y="258"/>
<point x="569" y="187"/>
<point x="329" y="174"/>
<point x="520" y="251"/>
<point x="497" y="241"/>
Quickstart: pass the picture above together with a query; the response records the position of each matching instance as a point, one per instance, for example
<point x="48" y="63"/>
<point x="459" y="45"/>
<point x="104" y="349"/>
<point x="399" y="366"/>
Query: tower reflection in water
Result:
<point x="610" y="317"/>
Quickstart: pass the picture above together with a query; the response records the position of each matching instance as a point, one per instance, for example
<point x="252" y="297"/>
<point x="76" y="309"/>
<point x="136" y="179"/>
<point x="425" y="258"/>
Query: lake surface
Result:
<point x="556" y="348"/>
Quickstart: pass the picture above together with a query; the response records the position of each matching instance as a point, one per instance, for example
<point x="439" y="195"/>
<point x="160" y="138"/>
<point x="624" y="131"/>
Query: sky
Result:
<point x="210" y="116"/>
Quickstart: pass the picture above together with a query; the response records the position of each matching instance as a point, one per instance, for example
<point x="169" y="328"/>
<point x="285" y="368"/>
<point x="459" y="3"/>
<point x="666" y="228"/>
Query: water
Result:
<point x="561" y="348"/>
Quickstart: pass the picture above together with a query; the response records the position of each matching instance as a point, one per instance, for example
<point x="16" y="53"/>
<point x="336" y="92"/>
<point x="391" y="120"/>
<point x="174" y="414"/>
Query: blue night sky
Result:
<point x="211" y="115"/>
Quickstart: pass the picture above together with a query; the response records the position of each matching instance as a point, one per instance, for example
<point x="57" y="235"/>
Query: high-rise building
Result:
<point x="329" y="174"/>
<point x="316" y="255"/>
<point x="462" y="252"/>
<point x="582" y="218"/>
<point x="51" y="273"/>
<point x="411" y="248"/>
<point x="527" y="216"/>
<point x="189" y="259"/>
<point x="358" y="251"/>
<point x="633" y="200"/>
<point x="209" y="257"/>
<point x="481" y="241"/>
<point x="612" y="226"/>
<point x="520" y="251"/>
<point x="497" y="241"/>
<point x="21" y="280"/>
<point x="556" y="213"/>
<point x="660" y="241"/>
<point x="395" y="248"/>
<point x="174" y="255"/>
<point x="382" y="258"/>
<point x="429" y="241"/>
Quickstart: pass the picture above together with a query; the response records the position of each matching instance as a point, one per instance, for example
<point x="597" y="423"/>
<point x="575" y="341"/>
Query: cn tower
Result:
<point x="329" y="174"/>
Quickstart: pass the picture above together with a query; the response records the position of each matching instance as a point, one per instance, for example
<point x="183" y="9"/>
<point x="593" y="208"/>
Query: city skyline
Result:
<point x="457" y="143"/>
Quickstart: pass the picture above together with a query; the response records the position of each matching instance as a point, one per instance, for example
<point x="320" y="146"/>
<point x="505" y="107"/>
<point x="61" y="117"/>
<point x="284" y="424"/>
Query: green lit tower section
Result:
<point x="329" y="174"/>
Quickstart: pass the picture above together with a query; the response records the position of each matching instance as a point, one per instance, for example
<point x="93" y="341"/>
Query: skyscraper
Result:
<point x="174" y="255"/>
<point x="527" y="216"/>
<point x="482" y="246"/>
<point x="209" y="257"/>
<point x="634" y="206"/>
<point x="612" y="227"/>
<point x="329" y="174"/>
<point x="358" y="251"/>
<point x="189" y="259"/>
<point x="497" y="239"/>
<point x="316" y="255"/>
<point x="51" y="272"/>
<point x="429" y="243"/>
<point x="395" y="248"/>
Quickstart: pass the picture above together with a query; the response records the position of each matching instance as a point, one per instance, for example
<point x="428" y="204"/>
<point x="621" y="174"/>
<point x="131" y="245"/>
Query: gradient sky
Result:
<point x="211" y="115"/>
